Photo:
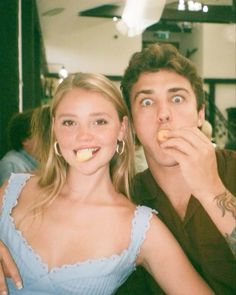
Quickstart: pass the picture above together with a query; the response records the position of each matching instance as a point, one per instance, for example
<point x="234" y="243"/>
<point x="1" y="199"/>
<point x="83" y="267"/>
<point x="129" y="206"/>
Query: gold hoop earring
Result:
<point x="56" y="149"/>
<point x="120" y="147"/>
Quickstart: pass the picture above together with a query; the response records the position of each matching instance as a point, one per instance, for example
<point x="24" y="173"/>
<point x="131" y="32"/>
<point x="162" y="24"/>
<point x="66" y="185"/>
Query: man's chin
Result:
<point x="166" y="161"/>
<point x="162" y="161"/>
<point x="172" y="164"/>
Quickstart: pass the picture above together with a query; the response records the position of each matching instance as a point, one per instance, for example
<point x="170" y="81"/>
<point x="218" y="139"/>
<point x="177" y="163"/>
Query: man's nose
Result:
<point x="163" y="113"/>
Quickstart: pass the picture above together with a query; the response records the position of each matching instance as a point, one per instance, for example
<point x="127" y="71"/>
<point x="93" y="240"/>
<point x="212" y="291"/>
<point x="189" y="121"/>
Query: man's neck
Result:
<point x="171" y="181"/>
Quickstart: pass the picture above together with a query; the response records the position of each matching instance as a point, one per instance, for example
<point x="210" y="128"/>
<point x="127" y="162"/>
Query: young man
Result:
<point x="191" y="184"/>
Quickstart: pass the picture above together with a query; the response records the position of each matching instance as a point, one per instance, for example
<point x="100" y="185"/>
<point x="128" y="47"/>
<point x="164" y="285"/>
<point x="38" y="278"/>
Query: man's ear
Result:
<point x="201" y="116"/>
<point x="26" y="142"/>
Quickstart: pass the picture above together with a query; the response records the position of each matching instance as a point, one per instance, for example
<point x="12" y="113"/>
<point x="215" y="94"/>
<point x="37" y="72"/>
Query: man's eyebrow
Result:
<point x="176" y="89"/>
<point x="143" y="91"/>
<point x="150" y="91"/>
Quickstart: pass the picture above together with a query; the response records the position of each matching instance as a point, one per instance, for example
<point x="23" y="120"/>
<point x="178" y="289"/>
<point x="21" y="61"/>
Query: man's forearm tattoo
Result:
<point x="231" y="240"/>
<point x="227" y="203"/>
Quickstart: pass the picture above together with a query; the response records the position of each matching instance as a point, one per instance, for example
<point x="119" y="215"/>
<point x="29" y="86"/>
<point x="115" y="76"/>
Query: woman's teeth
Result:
<point x="84" y="154"/>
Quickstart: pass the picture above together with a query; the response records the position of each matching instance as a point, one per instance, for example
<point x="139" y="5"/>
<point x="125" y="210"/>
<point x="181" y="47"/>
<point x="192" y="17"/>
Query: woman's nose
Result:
<point x="84" y="132"/>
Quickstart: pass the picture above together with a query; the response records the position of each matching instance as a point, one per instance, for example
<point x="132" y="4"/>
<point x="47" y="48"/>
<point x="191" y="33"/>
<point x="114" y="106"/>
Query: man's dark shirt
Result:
<point x="200" y="239"/>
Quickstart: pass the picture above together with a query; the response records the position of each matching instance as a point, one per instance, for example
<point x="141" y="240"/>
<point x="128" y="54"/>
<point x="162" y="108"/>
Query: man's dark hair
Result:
<point x="161" y="56"/>
<point x="19" y="129"/>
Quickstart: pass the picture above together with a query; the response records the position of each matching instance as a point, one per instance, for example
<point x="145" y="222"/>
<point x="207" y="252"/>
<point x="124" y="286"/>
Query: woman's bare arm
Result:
<point x="162" y="256"/>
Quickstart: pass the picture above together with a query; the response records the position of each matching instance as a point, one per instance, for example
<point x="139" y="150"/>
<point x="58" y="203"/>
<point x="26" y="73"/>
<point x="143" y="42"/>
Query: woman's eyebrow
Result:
<point x="96" y="114"/>
<point x="66" y="115"/>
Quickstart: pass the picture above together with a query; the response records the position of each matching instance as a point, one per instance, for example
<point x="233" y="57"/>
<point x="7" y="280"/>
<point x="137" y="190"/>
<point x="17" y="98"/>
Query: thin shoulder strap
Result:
<point x="140" y="226"/>
<point x="12" y="191"/>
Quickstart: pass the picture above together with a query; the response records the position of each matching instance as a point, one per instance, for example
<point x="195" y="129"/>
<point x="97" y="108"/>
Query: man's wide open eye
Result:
<point x="177" y="99"/>
<point x="146" y="102"/>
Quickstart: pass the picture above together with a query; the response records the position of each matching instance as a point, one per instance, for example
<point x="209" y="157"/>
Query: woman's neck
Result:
<point x="88" y="187"/>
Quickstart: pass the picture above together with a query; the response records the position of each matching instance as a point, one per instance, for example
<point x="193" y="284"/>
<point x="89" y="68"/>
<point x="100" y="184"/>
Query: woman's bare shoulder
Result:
<point x="29" y="187"/>
<point x="2" y="191"/>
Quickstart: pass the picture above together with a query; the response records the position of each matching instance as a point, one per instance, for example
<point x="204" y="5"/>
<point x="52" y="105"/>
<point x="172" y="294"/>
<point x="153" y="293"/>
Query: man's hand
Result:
<point x="196" y="157"/>
<point x="197" y="160"/>
<point x="8" y="268"/>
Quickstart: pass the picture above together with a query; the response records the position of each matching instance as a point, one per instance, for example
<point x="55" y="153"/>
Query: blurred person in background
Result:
<point x="20" y="157"/>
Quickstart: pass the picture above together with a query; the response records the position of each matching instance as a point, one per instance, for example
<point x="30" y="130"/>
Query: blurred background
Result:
<point x="44" y="40"/>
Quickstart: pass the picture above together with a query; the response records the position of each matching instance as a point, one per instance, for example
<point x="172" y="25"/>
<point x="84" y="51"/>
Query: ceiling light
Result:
<point x="181" y="5"/>
<point x="63" y="73"/>
<point x="192" y="5"/>
<point x="138" y="15"/>
<point x="205" y="8"/>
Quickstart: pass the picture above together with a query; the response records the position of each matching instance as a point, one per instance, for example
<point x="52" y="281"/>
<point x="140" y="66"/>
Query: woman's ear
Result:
<point x="123" y="129"/>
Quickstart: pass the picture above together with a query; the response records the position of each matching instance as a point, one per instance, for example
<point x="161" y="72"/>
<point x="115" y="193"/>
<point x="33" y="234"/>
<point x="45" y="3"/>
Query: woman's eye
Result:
<point x="177" y="99"/>
<point x="68" y="123"/>
<point x="101" y="122"/>
<point x="146" y="102"/>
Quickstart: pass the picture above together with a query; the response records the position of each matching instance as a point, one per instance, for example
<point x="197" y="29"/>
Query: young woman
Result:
<point x="71" y="228"/>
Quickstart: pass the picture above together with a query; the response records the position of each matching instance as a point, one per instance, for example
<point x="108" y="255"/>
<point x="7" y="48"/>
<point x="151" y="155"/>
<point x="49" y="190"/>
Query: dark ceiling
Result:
<point x="215" y="14"/>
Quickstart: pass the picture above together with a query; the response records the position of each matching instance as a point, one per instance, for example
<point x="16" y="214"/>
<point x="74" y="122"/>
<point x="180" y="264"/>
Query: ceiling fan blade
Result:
<point x="107" y="10"/>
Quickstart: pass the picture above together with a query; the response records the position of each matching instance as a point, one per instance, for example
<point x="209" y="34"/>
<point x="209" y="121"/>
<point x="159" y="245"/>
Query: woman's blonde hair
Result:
<point x="53" y="169"/>
<point x="40" y="130"/>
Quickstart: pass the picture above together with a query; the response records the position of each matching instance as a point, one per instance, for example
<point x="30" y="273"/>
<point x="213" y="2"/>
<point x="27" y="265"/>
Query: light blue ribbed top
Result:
<point x="100" y="276"/>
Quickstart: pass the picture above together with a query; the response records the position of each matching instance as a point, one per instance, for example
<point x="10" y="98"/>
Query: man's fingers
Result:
<point x="8" y="267"/>
<point x="10" y="270"/>
<point x="192" y="135"/>
<point x="3" y="287"/>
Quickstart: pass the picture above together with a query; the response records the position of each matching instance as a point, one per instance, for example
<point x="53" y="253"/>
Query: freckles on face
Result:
<point x="86" y="119"/>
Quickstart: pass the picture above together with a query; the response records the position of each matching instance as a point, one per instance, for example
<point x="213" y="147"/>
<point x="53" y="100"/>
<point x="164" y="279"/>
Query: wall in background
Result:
<point x="213" y="47"/>
<point x="101" y="48"/>
<point x="219" y="48"/>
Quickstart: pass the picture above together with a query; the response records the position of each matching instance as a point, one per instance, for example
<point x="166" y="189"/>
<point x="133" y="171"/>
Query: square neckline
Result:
<point x="36" y="255"/>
